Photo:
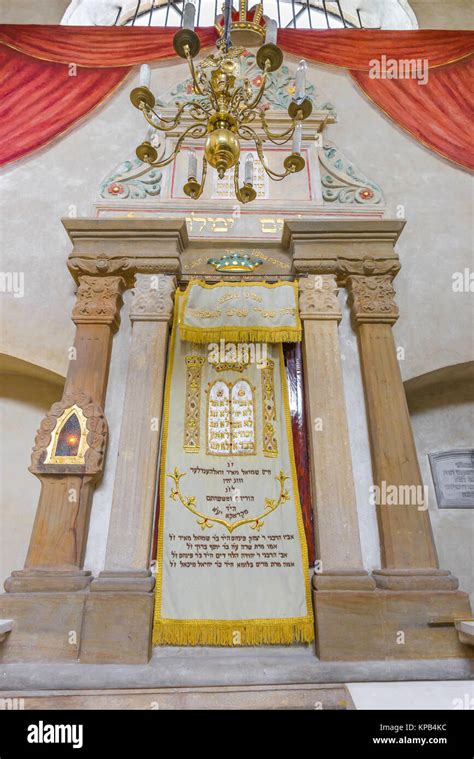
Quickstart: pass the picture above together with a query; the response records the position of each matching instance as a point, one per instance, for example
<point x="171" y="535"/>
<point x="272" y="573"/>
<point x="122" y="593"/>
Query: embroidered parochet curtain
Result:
<point x="232" y="558"/>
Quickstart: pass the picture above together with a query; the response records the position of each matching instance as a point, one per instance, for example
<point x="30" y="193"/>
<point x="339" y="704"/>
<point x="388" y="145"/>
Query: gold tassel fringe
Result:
<point x="235" y="634"/>
<point x="238" y="335"/>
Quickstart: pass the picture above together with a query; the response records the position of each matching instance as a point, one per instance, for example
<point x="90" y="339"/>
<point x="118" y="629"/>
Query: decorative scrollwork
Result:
<point x="189" y="502"/>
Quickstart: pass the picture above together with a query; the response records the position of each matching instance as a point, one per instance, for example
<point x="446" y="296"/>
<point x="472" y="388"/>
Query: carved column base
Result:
<point x="117" y="627"/>
<point x="140" y="581"/>
<point x="343" y="579"/>
<point x="415" y="579"/>
<point x="47" y="580"/>
<point x="389" y="625"/>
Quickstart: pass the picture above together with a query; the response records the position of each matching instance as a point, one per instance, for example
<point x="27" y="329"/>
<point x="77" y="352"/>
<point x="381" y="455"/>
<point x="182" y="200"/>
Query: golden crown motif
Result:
<point x="247" y="25"/>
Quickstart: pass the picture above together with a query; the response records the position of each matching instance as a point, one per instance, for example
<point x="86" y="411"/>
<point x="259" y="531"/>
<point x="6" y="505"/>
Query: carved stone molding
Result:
<point x="102" y="264"/>
<point x="96" y="426"/>
<point x="372" y="299"/>
<point x="153" y="297"/>
<point x="368" y="266"/>
<point x="345" y="267"/>
<point x="318" y="297"/>
<point x="98" y="301"/>
<point x="125" y="247"/>
<point x="343" y="246"/>
<point x="124" y="267"/>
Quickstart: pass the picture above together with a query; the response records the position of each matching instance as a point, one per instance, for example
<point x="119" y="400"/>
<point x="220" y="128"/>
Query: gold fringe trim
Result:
<point x="241" y="335"/>
<point x="235" y="634"/>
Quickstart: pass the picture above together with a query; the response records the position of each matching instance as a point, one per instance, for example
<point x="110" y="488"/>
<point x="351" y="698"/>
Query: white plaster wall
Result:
<point x="359" y="438"/>
<point x="23" y="402"/>
<point x="443" y="421"/>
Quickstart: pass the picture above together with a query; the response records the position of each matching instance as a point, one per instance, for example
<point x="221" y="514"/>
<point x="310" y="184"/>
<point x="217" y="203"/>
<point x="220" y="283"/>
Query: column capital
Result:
<point x="124" y="247"/>
<point x="98" y="301"/>
<point x="372" y="299"/>
<point x="153" y="297"/>
<point x="318" y="297"/>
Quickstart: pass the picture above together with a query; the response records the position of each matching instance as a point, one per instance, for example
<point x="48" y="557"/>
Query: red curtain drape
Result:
<point x="439" y="114"/>
<point x="96" y="46"/>
<point x="39" y="100"/>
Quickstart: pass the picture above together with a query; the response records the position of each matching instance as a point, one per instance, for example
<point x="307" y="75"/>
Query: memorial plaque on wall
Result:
<point x="453" y="476"/>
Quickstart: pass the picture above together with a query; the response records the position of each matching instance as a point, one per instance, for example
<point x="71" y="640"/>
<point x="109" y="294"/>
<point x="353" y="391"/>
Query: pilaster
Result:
<point x="338" y="550"/>
<point x="133" y="503"/>
<point x="407" y="546"/>
<point x="123" y="590"/>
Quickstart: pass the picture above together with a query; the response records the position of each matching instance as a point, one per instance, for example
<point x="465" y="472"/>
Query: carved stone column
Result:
<point x="57" y="546"/>
<point x="407" y="547"/>
<point x="334" y="501"/>
<point x="122" y="592"/>
<point x="131" y="521"/>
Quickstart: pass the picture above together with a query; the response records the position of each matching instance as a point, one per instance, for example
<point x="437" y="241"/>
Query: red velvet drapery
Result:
<point x="39" y="100"/>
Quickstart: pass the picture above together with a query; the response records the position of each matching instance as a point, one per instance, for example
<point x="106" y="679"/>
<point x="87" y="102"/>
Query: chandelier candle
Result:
<point x="300" y="83"/>
<point x="189" y="15"/>
<point x="297" y="139"/>
<point x="271" y="32"/>
<point x="145" y="75"/>
<point x="192" y="165"/>
<point x="249" y="169"/>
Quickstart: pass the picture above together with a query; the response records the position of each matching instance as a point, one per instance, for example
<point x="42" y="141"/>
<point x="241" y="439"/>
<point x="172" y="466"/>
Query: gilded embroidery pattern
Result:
<point x="270" y="443"/>
<point x="192" y="408"/>
<point x="201" y="313"/>
<point x="271" y="313"/>
<point x="189" y="502"/>
<point x="230" y="418"/>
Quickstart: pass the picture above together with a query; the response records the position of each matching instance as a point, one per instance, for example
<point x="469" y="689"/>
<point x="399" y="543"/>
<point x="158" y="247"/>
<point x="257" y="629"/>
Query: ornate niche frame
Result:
<point x="89" y="458"/>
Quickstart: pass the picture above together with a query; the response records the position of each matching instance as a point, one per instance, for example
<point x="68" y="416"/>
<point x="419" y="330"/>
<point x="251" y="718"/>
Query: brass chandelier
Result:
<point x="225" y="112"/>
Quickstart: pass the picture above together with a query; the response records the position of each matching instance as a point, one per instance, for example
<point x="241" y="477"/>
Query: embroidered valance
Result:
<point x="241" y="312"/>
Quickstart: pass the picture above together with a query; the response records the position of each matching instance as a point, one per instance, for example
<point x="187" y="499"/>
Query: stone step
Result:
<point x="261" y="697"/>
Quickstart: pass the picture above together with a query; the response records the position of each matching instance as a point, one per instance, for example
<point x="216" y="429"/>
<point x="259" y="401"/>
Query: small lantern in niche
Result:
<point x="69" y="439"/>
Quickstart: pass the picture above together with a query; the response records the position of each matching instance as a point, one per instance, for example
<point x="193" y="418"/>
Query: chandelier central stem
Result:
<point x="225" y="106"/>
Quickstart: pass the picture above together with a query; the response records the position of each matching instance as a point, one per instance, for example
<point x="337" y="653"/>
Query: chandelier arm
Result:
<point x="191" y="104"/>
<point x="207" y="113"/>
<point x="259" y="95"/>
<point x="172" y="123"/>
<point x="249" y="118"/>
<point x="179" y="142"/>
<point x="247" y="133"/>
<point x="272" y="174"/>
<point x="203" y="178"/>
<point x="273" y="136"/>
<point x="236" y="100"/>
<point x="236" y="180"/>
<point x="207" y="91"/>
<point x="192" y="70"/>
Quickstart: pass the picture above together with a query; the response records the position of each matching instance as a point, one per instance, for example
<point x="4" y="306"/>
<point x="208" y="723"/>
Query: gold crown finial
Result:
<point x="247" y="27"/>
